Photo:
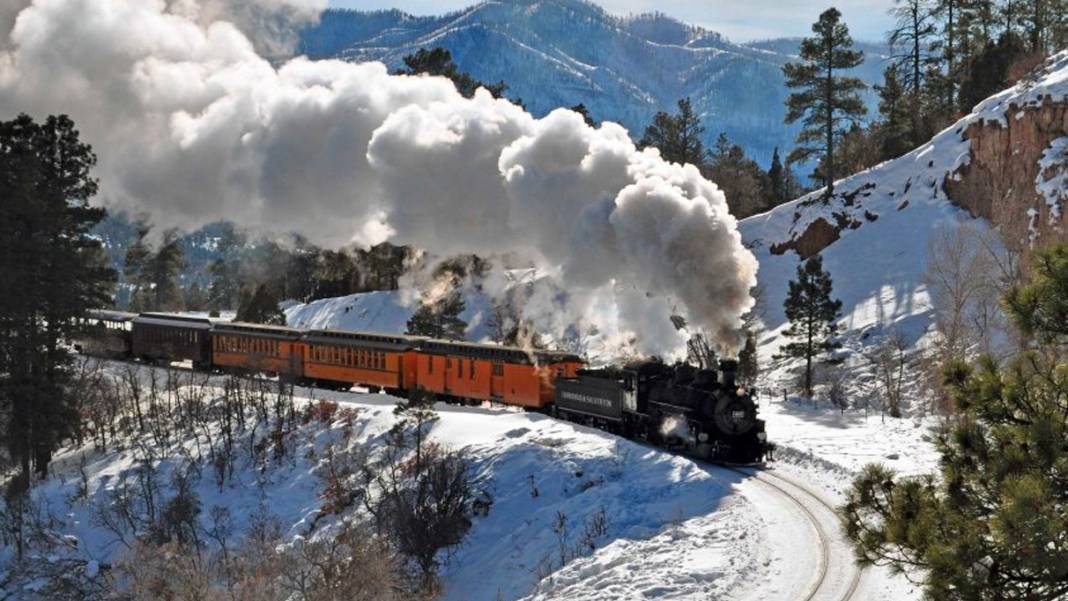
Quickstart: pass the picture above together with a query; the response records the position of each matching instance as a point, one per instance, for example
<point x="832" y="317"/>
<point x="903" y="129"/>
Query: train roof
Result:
<point x="174" y="321"/>
<point x="109" y="315"/>
<point x="258" y="329"/>
<point x="495" y="352"/>
<point x="393" y="342"/>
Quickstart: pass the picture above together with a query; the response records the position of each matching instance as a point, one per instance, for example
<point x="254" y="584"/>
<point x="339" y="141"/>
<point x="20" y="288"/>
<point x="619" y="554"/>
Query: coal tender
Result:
<point x="701" y="411"/>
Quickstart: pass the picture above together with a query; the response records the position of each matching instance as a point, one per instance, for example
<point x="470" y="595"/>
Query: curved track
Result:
<point x="835" y="575"/>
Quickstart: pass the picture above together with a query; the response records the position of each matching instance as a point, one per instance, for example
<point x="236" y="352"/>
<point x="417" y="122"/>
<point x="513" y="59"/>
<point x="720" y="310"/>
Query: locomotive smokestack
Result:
<point x="728" y="373"/>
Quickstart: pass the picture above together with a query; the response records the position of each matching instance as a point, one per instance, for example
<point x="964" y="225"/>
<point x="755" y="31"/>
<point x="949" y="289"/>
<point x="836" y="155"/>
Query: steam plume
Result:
<point x="193" y="124"/>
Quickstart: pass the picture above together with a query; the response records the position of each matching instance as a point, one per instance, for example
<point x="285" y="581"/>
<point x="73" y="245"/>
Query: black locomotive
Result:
<point x="703" y="412"/>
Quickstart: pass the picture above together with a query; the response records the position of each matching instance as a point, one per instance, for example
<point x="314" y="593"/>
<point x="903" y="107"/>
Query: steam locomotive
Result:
<point x="701" y="412"/>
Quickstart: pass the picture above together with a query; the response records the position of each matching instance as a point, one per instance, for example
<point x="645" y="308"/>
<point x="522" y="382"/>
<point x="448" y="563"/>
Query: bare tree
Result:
<point x="963" y="281"/>
<point x="890" y="362"/>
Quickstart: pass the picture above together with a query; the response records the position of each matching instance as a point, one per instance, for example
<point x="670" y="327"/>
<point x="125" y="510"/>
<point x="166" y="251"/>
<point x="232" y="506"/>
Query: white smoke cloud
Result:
<point x="192" y="124"/>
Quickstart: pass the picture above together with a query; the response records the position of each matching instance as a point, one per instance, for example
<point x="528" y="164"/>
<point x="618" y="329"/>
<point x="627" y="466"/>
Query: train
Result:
<point x="703" y="412"/>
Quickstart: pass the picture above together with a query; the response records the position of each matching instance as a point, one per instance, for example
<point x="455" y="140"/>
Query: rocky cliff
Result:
<point x="1007" y="162"/>
<point x="1018" y="174"/>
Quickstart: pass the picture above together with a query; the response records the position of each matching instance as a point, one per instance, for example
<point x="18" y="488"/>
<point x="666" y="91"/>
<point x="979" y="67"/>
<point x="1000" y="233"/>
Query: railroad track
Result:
<point x="826" y="586"/>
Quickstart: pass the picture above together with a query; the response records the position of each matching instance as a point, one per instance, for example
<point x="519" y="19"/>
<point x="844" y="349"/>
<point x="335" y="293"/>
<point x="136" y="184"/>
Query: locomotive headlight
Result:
<point x="740" y="391"/>
<point x="762" y="436"/>
<point x="703" y="437"/>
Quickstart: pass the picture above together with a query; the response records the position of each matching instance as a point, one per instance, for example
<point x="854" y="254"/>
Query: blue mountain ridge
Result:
<point x="559" y="53"/>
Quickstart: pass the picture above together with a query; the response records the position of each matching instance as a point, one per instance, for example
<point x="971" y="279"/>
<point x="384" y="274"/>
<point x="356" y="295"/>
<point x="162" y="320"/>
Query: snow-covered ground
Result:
<point x="675" y="529"/>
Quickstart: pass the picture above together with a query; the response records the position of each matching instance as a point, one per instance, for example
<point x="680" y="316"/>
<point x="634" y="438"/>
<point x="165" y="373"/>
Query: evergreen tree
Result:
<point x="677" y="136"/>
<point x="163" y="272"/>
<point x="994" y="525"/>
<point x="989" y="71"/>
<point x="813" y="315"/>
<point x="585" y="112"/>
<point x="440" y="319"/>
<point x="948" y="13"/>
<point x="52" y="273"/>
<point x="911" y="43"/>
<point x="743" y="182"/>
<point x="225" y="271"/>
<point x="858" y="150"/>
<point x="825" y="102"/>
<point x="137" y="256"/>
<point x="154" y="275"/>
<point x="1041" y="308"/>
<point x="895" y="131"/>
<point x="748" y="362"/>
<point x="438" y="62"/>
<point x="195" y="299"/>
<point x="776" y="181"/>
<point x="260" y="306"/>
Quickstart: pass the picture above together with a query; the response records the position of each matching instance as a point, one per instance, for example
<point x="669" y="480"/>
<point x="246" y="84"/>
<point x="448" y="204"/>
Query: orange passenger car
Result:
<point x="377" y="361"/>
<point x="487" y="372"/>
<point x="258" y="348"/>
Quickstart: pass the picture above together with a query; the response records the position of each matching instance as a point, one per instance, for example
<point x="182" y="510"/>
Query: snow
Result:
<point x="674" y="528"/>
<point x="1052" y="180"/>
<point x="386" y="311"/>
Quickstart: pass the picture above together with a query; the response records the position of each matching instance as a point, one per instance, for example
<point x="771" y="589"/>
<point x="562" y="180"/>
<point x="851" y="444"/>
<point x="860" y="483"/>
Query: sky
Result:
<point x="739" y="21"/>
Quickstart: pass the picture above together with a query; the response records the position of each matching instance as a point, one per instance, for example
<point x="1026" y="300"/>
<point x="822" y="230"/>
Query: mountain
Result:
<point x="559" y="53"/>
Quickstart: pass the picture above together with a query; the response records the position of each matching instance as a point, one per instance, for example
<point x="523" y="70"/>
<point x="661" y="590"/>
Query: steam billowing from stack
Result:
<point x="192" y="124"/>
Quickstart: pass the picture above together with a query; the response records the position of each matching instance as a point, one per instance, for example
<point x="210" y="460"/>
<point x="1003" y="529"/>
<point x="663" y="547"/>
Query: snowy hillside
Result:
<point x="565" y="52"/>
<point x="874" y="233"/>
<point x="639" y="522"/>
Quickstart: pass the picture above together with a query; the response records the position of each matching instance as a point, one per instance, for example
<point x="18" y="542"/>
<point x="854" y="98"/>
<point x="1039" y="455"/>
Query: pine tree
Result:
<point x="895" y="131"/>
<point x="993" y="526"/>
<point x="583" y="110"/>
<point x="989" y="71"/>
<point x="438" y="61"/>
<point x="825" y="102"/>
<point x="154" y="276"/>
<point x="911" y="43"/>
<point x="748" y="362"/>
<point x="195" y="299"/>
<point x="163" y="271"/>
<point x="813" y="315"/>
<point x="678" y="136"/>
<point x="743" y="182"/>
<point x="134" y="262"/>
<point x="260" y="306"/>
<point x="776" y="181"/>
<point x="52" y="275"/>
<point x="440" y="319"/>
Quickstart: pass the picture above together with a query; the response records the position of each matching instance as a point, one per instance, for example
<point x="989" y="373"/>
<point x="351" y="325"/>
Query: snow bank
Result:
<point x="674" y="528"/>
<point x="386" y="311"/>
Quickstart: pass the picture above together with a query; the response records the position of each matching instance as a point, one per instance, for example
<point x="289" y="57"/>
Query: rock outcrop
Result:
<point x="1015" y="178"/>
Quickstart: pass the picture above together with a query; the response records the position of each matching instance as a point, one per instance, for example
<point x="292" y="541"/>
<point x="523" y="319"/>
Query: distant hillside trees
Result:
<point x="748" y="188"/>
<point x="813" y="316"/>
<point x="260" y="306"/>
<point x="993" y="524"/>
<point x="53" y="272"/>
<point x="153" y="273"/>
<point x="825" y="103"/>
<point x="949" y="55"/>
<point x="438" y="61"/>
<point x="677" y="136"/>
